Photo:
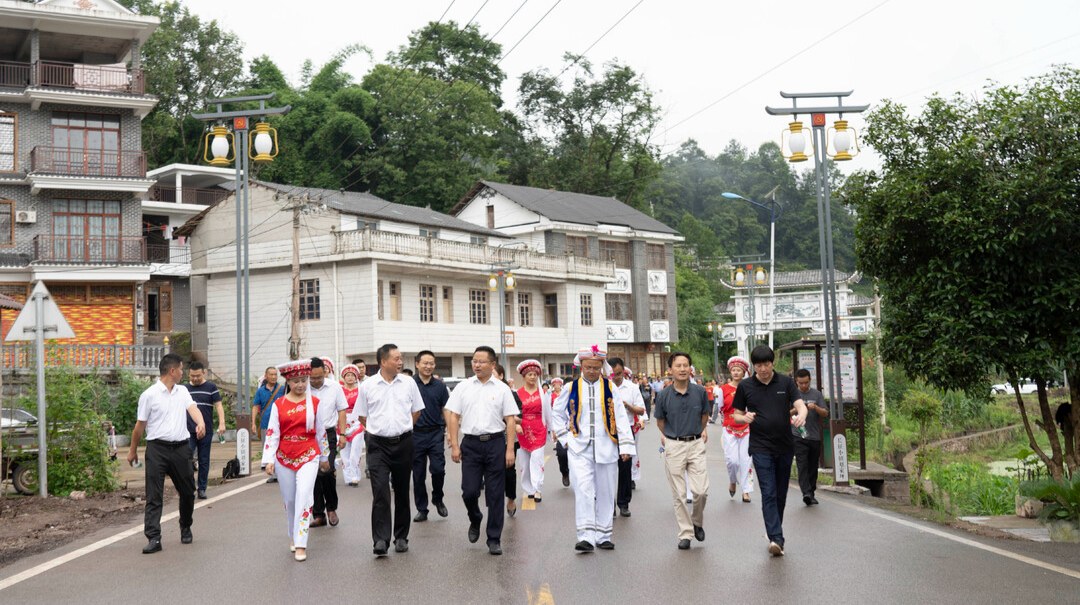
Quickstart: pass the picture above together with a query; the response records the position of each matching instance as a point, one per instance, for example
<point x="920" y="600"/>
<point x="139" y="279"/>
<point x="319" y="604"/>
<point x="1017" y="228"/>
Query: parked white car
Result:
<point x="1005" y="388"/>
<point x="16" y="418"/>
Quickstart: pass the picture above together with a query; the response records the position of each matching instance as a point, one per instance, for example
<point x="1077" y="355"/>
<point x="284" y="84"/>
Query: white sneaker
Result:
<point x="775" y="549"/>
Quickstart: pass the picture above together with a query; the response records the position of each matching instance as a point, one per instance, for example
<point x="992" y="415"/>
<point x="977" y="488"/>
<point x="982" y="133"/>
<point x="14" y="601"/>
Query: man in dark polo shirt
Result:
<point x="208" y="398"/>
<point x="808" y="444"/>
<point x="765" y="401"/>
<point x="682" y="414"/>
<point x="429" y="437"/>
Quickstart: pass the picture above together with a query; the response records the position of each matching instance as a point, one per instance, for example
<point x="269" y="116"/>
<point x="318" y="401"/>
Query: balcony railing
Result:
<point x="98" y="78"/>
<point x="368" y="240"/>
<point x="20" y="357"/>
<point x="173" y="254"/>
<point x="89" y="250"/>
<point x="81" y="162"/>
<point x="14" y="75"/>
<point x="188" y="195"/>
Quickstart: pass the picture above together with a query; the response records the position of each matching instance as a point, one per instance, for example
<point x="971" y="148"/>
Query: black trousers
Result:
<point x="564" y="462"/>
<point x="390" y="459"/>
<point x="807" y="454"/>
<point x="511" y="475"/>
<point x="429" y="449"/>
<point x="172" y="459"/>
<point x="326" y="483"/>
<point x="484" y="460"/>
<point x="622" y="496"/>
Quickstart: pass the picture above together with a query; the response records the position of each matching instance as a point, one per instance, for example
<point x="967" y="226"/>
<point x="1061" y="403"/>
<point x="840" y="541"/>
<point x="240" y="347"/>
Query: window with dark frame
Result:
<point x="7" y="223"/>
<point x="478" y="240"/>
<point x="9" y="145"/>
<point x="586" y="310"/>
<point x="309" y="299"/>
<point x="432" y="233"/>
<point x="551" y="310"/>
<point x="86" y="230"/>
<point x="427" y="303"/>
<point x="524" y="309"/>
<point x="658" y="307"/>
<point x="656" y="257"/>
<point x="478" y="307"/>
<point x="86" y="142"/>
<point x="619" y="307"/>
<point x="200" y="314"/>
<point x="616" y="252"/>
<point x="577" y="245"/>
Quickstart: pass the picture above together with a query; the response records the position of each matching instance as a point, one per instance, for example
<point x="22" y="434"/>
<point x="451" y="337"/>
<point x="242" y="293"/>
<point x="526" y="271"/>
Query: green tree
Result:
<point x="971" y="227"/>
<point x="448" y="53"/>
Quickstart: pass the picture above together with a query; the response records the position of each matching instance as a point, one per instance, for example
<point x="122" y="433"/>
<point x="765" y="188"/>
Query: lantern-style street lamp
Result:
<point x="842" y="137"/>
<point x="263" y="143"/>
<point x="219" y="144"/>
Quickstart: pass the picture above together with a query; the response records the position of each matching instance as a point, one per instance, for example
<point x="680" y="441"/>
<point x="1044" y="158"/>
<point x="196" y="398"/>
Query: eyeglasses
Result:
<point x="481" y="361"/>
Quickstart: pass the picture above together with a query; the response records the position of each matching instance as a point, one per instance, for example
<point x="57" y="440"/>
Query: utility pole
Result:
<point x="294" y="332"/>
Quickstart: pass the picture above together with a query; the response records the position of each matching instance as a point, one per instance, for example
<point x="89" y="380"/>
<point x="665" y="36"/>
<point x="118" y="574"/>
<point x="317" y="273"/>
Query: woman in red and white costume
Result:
<point x="533" y="428"/>
<point x="353" y="451"/>
<point x="736" y="437"/>
<point x="296" y="450"/>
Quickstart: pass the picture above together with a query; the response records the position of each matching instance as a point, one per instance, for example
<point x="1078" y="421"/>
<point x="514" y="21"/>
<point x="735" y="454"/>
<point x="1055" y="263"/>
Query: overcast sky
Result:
<point x="694" y="53"/>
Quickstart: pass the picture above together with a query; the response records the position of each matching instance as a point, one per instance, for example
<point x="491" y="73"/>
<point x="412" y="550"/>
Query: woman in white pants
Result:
<point x="353" y="450"/>
<point x="736" y="437"/>
<point x="533" y="428"/>
<point x="296" y="450"/>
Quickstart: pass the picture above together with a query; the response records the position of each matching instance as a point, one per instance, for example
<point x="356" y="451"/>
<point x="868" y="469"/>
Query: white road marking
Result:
<point x="948" y="536"/>
<point x="127" y="533"/>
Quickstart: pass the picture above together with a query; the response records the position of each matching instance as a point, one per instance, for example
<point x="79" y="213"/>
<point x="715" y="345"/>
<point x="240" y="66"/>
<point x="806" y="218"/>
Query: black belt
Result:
<point x="173" y="444"/>
<point x="428" y="429"/>
<point x="485" y="436"/>
<point x="391" y="439"/>
<point x="686" y="438"/>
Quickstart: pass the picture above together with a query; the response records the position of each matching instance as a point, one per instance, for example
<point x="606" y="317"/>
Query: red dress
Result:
<point x="296" y="445"/>
<point x="533" y="428"/>
<point x="739" y="430"/>
<point x="354" y="428"/>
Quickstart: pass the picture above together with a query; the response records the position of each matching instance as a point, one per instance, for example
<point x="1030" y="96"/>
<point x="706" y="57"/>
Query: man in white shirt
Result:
<point x="162" y="415"/>
<point x="332" y="407"/>
<point x="483" y="409"/>
<point x="388" y="405"/>
<point x="590" y="421"/>
<point x="635" y="407"/>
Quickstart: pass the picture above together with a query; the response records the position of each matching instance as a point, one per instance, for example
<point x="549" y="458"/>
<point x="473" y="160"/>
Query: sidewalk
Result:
<point x="220" y="454"/>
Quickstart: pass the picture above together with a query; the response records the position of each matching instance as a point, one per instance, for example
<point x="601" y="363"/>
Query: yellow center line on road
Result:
<point x="540" y="597"/>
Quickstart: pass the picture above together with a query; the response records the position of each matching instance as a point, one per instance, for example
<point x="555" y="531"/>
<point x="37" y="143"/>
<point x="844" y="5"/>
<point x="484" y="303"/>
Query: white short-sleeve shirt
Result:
<point x="388" y="406"/>
<point x="331" y="401"/>
<point x="165" y="412"/>
<point x="482" y="406"/>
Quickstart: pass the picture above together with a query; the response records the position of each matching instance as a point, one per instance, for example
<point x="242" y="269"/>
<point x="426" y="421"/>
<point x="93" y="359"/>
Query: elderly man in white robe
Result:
<point x="590" y="421"/>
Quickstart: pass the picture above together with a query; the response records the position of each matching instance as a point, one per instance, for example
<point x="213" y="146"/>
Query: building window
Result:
<point x="395" y="301"/>
<point x="478" y="240"/>
<point x="93" y="141"/>
<point x="616" y="252"/>
<point x="491" y="217"/>
<point x="363" y="224"/>
<point x="619" y="308"/>
<point x="9" y="146"/>
<point x="309" y="299"/>
<point x="656" y="256"/>
<point x="577" y="245"/>
<point x="478" y="307"/>
<point x="448" y="305"/>
<point x="658" y="307"/>
<point x="524" y="309"/>
<point x="86" y="230"/>
<point x="586" y="310"/>
<point x="380" y="301"/>
<point x="427" y="303"/>
<point x="200" y="314"/>
<point x="432" y="233"/>
<point x="508" y="311"/>
<point x="566" y="369"/>
<point x="7" y="223"/>
<point x="551" y="310"/>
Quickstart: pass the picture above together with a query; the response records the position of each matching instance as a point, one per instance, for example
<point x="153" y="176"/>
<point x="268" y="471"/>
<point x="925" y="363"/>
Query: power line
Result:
<point x="582" y="54"/>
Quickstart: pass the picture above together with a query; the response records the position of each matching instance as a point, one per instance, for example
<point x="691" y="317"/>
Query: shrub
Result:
<point x="972" y="490"/>
<point x="1062" y="498"/>
<point x="122" y="408"/>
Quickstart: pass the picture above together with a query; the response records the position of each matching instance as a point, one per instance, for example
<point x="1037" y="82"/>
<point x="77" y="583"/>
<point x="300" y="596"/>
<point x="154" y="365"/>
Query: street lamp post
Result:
<point x="749" y="276"/>
<point x="500" y="281"/>
<point x="773" y="216"/>
<point x="842" y="141"/>
<point x="715" y="327"/>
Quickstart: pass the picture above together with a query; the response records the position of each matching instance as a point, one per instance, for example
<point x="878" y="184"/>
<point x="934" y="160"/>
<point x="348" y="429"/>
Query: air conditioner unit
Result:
<point x="26" y="216"/>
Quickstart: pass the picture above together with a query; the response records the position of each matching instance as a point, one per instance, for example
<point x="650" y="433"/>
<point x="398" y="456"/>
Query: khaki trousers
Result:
<point x="687" y="457"/>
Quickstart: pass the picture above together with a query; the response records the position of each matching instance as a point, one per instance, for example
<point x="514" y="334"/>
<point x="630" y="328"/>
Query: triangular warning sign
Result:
<point x="25" y="325"/>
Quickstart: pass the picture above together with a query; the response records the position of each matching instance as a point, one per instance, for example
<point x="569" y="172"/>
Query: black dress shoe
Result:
<point x="401" y="545"/>
<point x="202" y="494"/>
<point x="699" y="533"/>
<point x="814" y="501"/>
<point x="185" y="535"/>
<point x="152" y="547"/>
<point x="633" y="485"/>
<point x="606" y="545"/>
<point x="583" y="546"/>
<point x="381" y="547"/>
<point x="421" y="516"/>
<point x="566" y="480"/>
<point x="441" y="509"/>
<point x="624" y="511"/>
<point x="474" y="532"/>
<point x="684" y="544"/>
<point x="495" y="549"/>
<point x="806" y="500"/>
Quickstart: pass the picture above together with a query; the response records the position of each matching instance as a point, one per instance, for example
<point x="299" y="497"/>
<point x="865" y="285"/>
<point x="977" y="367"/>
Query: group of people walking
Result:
<point x="405" y="422"/>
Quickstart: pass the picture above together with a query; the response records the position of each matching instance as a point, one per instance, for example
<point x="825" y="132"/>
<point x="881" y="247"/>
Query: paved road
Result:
<point x="842" y="551"/>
